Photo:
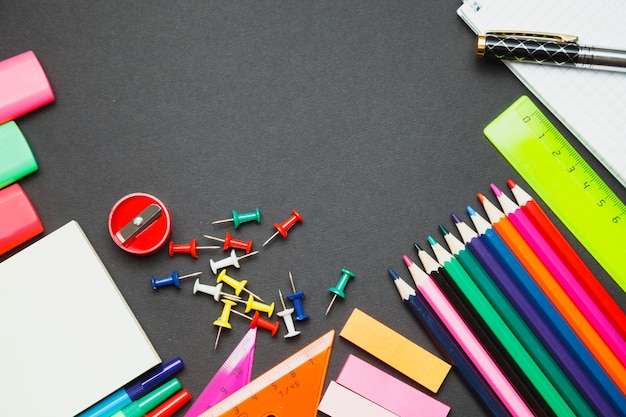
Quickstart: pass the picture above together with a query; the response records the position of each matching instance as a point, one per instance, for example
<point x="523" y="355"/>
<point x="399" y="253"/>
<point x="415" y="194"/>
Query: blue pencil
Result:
<point x="472" y="378"/>
<point x="599" y="389"/>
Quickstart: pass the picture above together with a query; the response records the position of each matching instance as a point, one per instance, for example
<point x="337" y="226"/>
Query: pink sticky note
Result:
<point x="388" y="391"/>
<point x="339" y="401"/>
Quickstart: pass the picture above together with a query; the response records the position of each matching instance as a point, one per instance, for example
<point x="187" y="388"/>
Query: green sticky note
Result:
<point x="16" y="158"/>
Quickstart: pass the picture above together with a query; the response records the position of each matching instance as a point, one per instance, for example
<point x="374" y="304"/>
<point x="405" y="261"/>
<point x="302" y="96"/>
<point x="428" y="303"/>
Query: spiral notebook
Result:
<point x="590" y="103"/>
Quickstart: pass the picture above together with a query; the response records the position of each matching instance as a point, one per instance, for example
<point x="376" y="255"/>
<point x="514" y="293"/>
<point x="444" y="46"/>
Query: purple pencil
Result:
<point x="534" y="320"/>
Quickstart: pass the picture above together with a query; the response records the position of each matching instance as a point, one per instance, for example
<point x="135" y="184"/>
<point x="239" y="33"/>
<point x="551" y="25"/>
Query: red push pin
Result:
<point x="230" y="242"/>
<point x="284" y="227"/>
<point x="190" y="248"/>
<point x="257" y="320"/>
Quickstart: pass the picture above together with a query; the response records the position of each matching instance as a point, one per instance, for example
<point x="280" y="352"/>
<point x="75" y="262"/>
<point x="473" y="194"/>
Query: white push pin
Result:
<point x="231" y="260"/>
<point x="215" y="291"/>
<point x="286" y="315"/>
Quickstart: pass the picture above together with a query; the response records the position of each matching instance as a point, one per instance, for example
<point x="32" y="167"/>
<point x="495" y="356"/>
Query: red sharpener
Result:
<point x="140" y="224"/>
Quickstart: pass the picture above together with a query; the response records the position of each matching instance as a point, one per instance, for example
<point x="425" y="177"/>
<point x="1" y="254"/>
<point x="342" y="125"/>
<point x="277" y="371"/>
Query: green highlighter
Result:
<point x="151" y="400"/>
<point x="16" y="158"/>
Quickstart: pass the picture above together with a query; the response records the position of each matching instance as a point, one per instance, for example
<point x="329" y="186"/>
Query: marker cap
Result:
<point x="16" y="158"/>
<point x="153" y="378"/>
<point x="23" y="86"/>
<point x="19" y="221"/>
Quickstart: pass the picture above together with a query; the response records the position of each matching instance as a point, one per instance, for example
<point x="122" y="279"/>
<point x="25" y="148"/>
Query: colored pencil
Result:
<point x="545" y="279"/>
<point x="517" y="324"/>
<point x="548" y="311"/>
<point x="485" y="334"/>
<point x="448" y="347"/>
<point x="468" y="341"/>
<point x="568" y="255"/>
<point x="535" y="376"/>
<point x="531" y="315"/>
<point x="565" y="279"/>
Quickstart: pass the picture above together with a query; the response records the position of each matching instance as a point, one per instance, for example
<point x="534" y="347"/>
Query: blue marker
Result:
<point x="133" y="391"/>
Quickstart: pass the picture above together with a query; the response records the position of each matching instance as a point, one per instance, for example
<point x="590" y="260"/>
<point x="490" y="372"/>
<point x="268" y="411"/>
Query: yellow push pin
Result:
<point x="222" y="321"/>
<point x="255" y="305"/>
<point x="238" y="286"/>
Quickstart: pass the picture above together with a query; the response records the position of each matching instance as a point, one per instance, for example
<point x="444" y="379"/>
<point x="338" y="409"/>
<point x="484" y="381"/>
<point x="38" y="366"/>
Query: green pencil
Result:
<point x="517" y="325"/>
<point x="501" y="330"/>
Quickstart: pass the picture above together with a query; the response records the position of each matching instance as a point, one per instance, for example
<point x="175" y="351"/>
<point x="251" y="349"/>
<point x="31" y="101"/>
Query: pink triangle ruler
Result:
<point x="232" y="375"/>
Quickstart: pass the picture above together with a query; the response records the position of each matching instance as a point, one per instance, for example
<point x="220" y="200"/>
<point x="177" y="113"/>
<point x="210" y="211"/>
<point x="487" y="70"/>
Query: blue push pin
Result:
<point x="239" y="218"/>
<point x="296" y="299"/>
<point x="173" y="279"/>
<point x="338" y="289"/>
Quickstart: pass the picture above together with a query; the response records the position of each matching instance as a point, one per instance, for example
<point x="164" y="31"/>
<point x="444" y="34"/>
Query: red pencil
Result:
<point x="570" y="258"/>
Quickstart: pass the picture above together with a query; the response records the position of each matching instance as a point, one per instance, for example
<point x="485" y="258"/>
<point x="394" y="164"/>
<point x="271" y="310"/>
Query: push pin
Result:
<point x="287" y="318"/>
<point x="284" y="227"/>
<point x="239" y="218"/>
<point x="296" y="299"/>
<point x="338" y="289"/>
<point x="231" y="260"/>
<point x="173" y="279"/>
<point x="222" y="321"/>
<point x="238" y="286"/>
<point x="255" y="305"/>
<point x="215" y="291"/>
<point x="230" y="242"/>
<point x="257" y="321"/>
<point x="190" y="248"/>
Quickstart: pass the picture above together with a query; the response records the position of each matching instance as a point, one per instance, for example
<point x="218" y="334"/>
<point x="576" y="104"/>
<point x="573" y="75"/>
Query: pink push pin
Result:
<point x="284" y="227"/>
<point x="232" y="243"/>
<point x="190" y="248"/>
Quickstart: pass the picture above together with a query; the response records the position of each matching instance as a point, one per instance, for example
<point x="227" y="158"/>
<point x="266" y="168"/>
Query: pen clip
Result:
<point x="557" y="37"/>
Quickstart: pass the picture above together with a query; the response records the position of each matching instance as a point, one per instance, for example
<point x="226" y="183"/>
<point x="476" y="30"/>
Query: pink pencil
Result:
<point x="468" y="341"/>
<point x="563" y="275"/>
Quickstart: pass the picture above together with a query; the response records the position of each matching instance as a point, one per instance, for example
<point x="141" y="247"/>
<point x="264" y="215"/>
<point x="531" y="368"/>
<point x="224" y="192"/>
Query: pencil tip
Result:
<point x="408" y="261"/>
<point x="430" y="240"/>
<point x="443" y="230"/>
<point x="456" y="219"/>
<point x="481" y="197"/>
<point x="470" y="211"/>
<point x="418" y="247"/>
<point x="510" y="183"/>
<point x="496" y="190"/>
<point x="393" y="274"/>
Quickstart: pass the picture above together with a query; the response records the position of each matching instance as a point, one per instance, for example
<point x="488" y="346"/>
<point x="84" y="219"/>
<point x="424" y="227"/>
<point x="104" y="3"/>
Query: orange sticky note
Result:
<point x="395" y="350"/>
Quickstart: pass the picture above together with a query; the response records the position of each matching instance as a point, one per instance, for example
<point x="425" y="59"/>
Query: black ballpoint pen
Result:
<point x="546" y="48"/>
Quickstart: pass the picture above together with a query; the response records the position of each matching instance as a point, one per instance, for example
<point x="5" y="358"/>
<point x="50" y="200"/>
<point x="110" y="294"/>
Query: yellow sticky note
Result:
<point x="395" y="350"/>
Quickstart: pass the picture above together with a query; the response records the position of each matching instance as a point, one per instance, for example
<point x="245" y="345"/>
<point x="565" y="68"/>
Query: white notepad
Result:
<point x="67" y="337"/>
<point x="590" y="103"/>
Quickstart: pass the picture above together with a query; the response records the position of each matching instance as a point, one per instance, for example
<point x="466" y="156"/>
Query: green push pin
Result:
<point x="338" y="289"/>
<point x="239" y="218"/>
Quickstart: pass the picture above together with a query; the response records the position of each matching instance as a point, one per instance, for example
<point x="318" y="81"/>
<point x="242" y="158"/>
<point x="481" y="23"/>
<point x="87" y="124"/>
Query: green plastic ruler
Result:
<point x="565" y="182"/>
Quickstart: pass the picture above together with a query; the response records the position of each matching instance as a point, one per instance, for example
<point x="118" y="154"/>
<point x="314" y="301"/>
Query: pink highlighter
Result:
<point x="23" y="86"/>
